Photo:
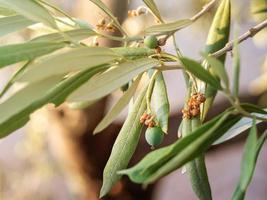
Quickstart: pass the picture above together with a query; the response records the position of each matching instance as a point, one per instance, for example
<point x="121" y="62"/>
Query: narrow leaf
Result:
<point x="13" y="23"/>
<point x="70" y="61"/>
<point x="18" y="107"/>
<point x="162" y="161"/>
<point x="218" y="68"/>
<point x="217" y="38"/>
<point x="75" y="35"/>
<point x="118" y="107"/>
<point x="252" y="149"/>
<point x="30" y="9"/>
<point x="236" y="69"/>
<point x="160" y="102"/>
<point x="169" y="27"/>
<point x="241" y="126"/>
<point x="109" y="81"/>
<point x="198" y="71"/>
<point x="153" y="7"/>
<point x="14" y="53"/>
<point x="124" y="145"/>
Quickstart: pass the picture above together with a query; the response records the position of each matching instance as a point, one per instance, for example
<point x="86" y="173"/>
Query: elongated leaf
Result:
<point x="169" y="27"/>
<point x="70" y="61"/>
<point x="17" y="109"/>
<point x="118" y="107"/>
<point x="134" y="52"/>
<point x="75" y="35"/>
<point x="124" y="145"/>
<point x="198" y="71"/>
<point x="30" y="9"/>
<point x="218" y="69"/>
<point x="109" y="81"/>
<point x="162" y="161"/>
<point x="240" y="127"/>
<point x="196" y="168"/>
<point x="6" y="12"/>
<point x="153" y="7"/>
<point x="236" y="68"/>
<point x="13" y="23"/>
<point x="217" y="38"/>
<point x="160" y="102"/>
<point x="14" y="53"/>
<point x="252" y="149"/>
<point x="259" y="10"/>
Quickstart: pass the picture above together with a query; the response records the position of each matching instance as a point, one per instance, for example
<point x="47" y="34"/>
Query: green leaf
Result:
<point x="30" y="9"/>
<point x="218" y="68"/>
<point x="252" y="149"/>
<point x="70" y="61"/>
<point x="196" y="168"/>
<point x="134" y="52"/>
<point x="198" y="71"/>
<point x="236" y="68"/>
<point x="118" y="107"/>
<point x="217" y="38"/>
<point x="169" y="27"/>
<point x="109" y="81"/>
<point x="259" y="10"/>
<point x="160" y="102"/>
<point x="13" y="23"/>
<point x="6" y="12"/>
<point x="75" y="35"/>
<point x="153" y="7"/>
<point x="124" y="145"/>
<point x="241" y="126"/>
<point x="164" y="160"/>
<point x="14" y="53"/>
<point x="18" y="107"/>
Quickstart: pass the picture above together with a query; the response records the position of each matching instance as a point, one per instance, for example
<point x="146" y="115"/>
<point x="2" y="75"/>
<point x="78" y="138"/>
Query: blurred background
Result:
<point x="55" y="157"/>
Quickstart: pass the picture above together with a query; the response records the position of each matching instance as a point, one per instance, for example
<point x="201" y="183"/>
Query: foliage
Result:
<point x="60" y="67"/>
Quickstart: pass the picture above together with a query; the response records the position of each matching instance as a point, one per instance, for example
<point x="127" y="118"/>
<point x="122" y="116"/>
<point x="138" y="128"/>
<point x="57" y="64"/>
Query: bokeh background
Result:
<point x="56" y="157"/>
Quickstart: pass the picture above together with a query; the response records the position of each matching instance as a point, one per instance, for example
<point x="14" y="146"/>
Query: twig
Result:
<point x="250" y="33"/>
<point x="203" y="11"/>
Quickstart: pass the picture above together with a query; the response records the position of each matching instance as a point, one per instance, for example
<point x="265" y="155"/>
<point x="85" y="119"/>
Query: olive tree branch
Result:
<point x="249" y="34"/>
<point x="206" y="8"/>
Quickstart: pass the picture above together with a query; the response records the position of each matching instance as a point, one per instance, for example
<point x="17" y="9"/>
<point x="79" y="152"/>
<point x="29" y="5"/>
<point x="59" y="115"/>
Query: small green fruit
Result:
<point x="151" y="42"/>
<point x="154" y="136"/>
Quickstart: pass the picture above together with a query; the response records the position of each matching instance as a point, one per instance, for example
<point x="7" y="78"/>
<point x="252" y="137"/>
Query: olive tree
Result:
<point x="59" y="67"/>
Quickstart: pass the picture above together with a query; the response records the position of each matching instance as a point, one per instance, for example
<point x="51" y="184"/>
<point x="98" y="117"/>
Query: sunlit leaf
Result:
<point x="109" y="81"/>
<point x="18" y="107"/>
<point x="70" y="61"/>
<point x="168" y="27"/>
<point x="153" y="7"/>
<point x="75" y="35"/>
<point x="13" y="23"/>
<point x="30" y="9"/>
<point x="14" y="53"/>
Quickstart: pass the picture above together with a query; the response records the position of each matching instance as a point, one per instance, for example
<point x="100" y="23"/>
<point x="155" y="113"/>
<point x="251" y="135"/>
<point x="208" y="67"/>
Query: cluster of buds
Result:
<point x="193" y="105"/>
<point x="106" y="26"/>
<point x="139" y="11"/>
<point x="148" y="120"/>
